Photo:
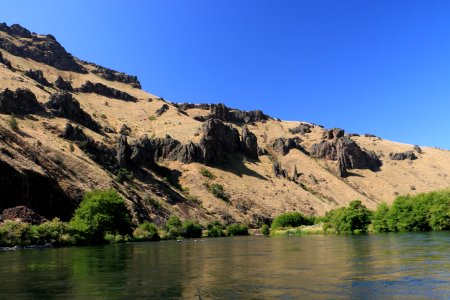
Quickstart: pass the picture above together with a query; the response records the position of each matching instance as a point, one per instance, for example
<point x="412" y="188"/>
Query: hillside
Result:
<point x="82" y="127"/>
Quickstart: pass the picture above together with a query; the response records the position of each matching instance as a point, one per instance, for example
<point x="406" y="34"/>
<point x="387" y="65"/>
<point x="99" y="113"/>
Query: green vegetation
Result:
<point x="123" y="175"/>
<point x="265" y="230"/>
<point x="101" y="213"/>
<point x="218" y="191"/>
<point x="207" y="173"/>
<point x="152" y="118"/>
<point x="191" y="229"/>
<point x="352" y="219"/>
<point x="422" y="212"/>
<point x="290" y="219"/>
<point x="237" y="229"/>
<point x="215" y="229"/>
<point x="12" y="122"/>
<point x="146" y="232"/>
<point x="71" y="148"/>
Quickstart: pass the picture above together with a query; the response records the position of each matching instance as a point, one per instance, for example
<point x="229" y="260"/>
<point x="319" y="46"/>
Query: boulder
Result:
<point x="418" y="149"/>
<point x="38" y="76"/>
<point x="284" y="145"/>
<point x="61" y="84"/>
<point x="23" y="214"/>
<point x="20" y="102"/>
<point x="162" y="110"/>
<point x="218" y="140"/>
<point x="301" y="129"/>
<point x="125" y="130"/>
<point x="410" y="155"/>
<point x="103" y="90"/>
<point x="64" y="105"/>
<point x="249" y="143"/>
<point x="334" y="133"/>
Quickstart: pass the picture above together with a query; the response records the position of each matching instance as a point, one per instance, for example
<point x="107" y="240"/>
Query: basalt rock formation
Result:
<point x="20" y="102"/>
<point x="64" y="105"/>
<point x="103" y="90"/>
<point x="301" y="129"/>
<point x="162" y="110"/>
<point x="410" y="155"/>
<point x="284" y="145"/>
<point x="61" y="84"/>
<point x="44" y="49"/>
<point x="38" y="76"/>
<point x="112" y="75"/>
<point x="249" y="144"/>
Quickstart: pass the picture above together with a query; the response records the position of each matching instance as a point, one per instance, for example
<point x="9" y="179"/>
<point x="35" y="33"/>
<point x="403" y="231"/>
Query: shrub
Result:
<point x="379" y="219"/>
<point x="146" y="232"/>
<point x="13" y="124"/>
<point x="352" y="219"/>
<point x="237" y="229"/>
<point x="55" y="232"/>
<point x="101" y="212"/>
<point x="218" y="191"/>
<point x="173" y="227"/>
<point x="152" y="118"/>
<point x="265" y="229"/>
<point x="207" y="173"/>
<point x="123" y="174"/>
<point x="215" y="229"/>
<point x="14" y="233"/>
<point x="71" y="147"/>
<point x="290" y="219"/>
<point x="191" y="229"/>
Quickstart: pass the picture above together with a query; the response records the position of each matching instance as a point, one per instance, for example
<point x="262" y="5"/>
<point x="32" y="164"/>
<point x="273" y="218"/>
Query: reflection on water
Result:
<point x="382" y="266"/>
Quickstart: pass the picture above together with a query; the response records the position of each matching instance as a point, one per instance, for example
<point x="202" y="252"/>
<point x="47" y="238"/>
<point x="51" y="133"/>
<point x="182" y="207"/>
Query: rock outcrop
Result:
<point x="38" y="76"/>
<point x="226" y="114"/>
<point x="124" y="152"/>
<point x="249" y="143"/>
<point x="44" y="49"/>
<point x="64" y="105"/>
<point x="61" y="84"/>
<point x="278" y="171"/>
<point x="410" y="155"/>
<point x="346" y="151"/>
<point x="284" y="145"/>
<point x="160" y="111"/>
<point x="20" y="102"/>
<point x="112" y="75"/>
<point x="4" y="61"/>
<point x="334" y="133"/>
<point x="218" y="140"/>
<point x="301" y="129"/>
<point x="22" y="213"/>
<point x="103" y="90"/>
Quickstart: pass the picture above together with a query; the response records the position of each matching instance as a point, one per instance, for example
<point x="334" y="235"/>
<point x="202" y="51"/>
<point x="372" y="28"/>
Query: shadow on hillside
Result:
<point x="235" y="164"/>
<point x="351" y="174"/>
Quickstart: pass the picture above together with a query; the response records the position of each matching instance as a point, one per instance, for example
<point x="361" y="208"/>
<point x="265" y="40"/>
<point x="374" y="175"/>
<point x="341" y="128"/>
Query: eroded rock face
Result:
<point x="44" y="49"/>
<point x="249" y="143"/>
<point x="66" y="106"/>
<point x="301" y="129"/>
<point x="283" y="145"/>
<point x="218" y="140"/>
<point x="162" y="110"/>
<point x="348" y="154"/>
<point x="101" y="89"/>
<point x="410" y="155"/>
<point x="224" y="113"/>
<point x="38" y="76"/>
<point x="61" y="84"/>
<point x="20" y="102"/>
<point x="124" y="152"/>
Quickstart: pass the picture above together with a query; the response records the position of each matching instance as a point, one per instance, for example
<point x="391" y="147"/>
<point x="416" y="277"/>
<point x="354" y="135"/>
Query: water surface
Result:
<point x="381" y="266"/>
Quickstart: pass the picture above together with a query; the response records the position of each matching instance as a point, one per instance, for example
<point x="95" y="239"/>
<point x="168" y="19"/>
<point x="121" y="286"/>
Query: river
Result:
<point x="378" y="266"/>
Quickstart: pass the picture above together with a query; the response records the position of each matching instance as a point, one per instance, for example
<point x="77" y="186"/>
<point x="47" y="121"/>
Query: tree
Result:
<point x="352" y="219"/>
<point x="380" y="220"/>
<point x="101" y="212"/>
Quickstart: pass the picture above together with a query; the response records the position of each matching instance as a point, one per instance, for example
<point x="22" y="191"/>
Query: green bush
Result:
<point x="215" y="229"/>
<point x="101" y="212"/>
<point x="237" y="229"/>
<point x="218" y="191"/>
<point x="265" y="229"/>
<point x="191" y="229"/>
<point x="55" y="232"/>
<point x="380" y="218"/>
<point x="123" y="175"/>
<point x="14" y="233"/>
<point x="13" y="124"/>
<point x="173" y="227"/>
<point x="206" y="173"/>
<point x="352" y="219"/>
<point x="290" y="219"/>
<point x="146" y="232"/>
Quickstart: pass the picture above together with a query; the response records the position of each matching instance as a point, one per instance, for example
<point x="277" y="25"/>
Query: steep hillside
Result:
<point x="82" y="127"/>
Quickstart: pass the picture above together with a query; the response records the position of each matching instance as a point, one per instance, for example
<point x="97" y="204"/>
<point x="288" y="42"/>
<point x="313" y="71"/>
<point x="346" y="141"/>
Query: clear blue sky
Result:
<point x="380" y="67"/>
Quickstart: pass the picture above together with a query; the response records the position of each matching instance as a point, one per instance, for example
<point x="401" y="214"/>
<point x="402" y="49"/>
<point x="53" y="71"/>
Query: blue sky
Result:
<point x="380" y="67"/>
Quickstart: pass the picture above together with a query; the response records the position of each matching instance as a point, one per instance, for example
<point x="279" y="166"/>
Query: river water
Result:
<point x="379" y="266"/>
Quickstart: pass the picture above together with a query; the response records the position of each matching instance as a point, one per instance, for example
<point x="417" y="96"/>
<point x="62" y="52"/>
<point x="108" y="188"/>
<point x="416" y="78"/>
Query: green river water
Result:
<point x="379" y="266"/>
